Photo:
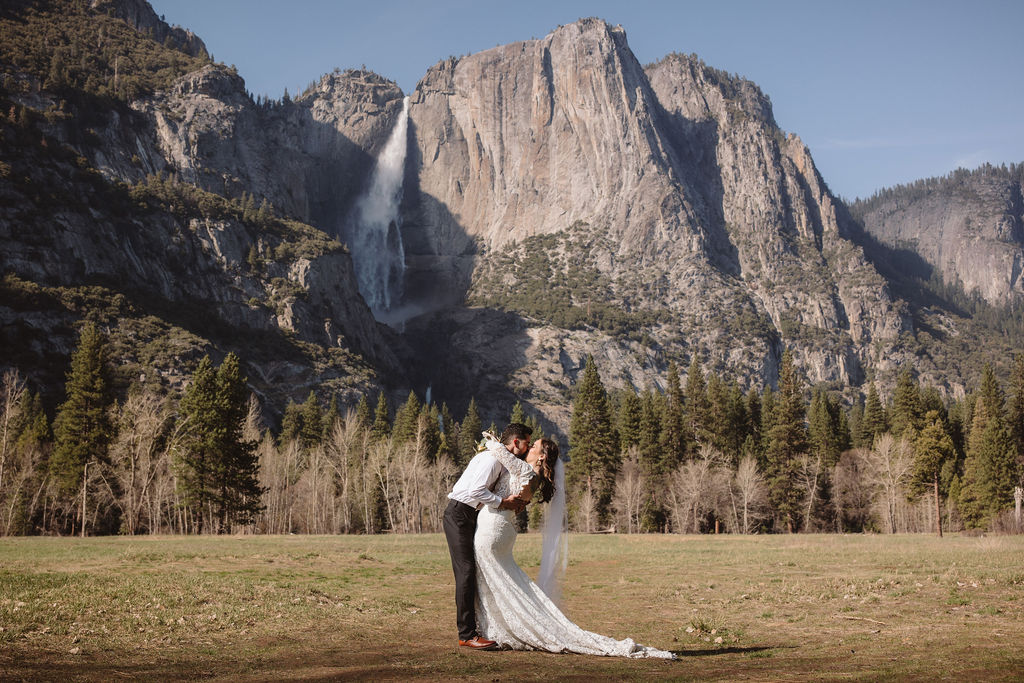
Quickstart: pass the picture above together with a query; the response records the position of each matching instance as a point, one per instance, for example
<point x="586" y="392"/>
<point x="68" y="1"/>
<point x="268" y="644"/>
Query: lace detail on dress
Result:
<point x="516" y="473"/>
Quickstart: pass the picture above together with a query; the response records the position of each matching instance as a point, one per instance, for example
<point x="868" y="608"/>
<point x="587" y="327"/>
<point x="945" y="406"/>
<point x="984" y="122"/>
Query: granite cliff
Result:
<point x="670" y="187"/>
<point x="967" y="228"/>
<point x="560" y="199"/>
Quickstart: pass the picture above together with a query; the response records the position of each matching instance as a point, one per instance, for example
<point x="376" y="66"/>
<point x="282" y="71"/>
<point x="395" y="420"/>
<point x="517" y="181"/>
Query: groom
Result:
<point x="471" y="492"/>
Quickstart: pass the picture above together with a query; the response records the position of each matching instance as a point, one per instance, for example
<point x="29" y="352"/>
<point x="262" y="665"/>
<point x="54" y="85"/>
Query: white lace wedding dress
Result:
<point x="511" y="609"/>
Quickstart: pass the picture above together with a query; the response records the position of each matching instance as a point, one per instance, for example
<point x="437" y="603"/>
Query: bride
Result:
<point x="512" y="609"/>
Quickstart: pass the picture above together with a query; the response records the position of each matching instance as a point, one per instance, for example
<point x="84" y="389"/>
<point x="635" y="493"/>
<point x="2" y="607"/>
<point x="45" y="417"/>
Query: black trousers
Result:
<point x="459" y="528"/>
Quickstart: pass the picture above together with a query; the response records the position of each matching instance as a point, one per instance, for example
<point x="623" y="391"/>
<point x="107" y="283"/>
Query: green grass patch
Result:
<point x="761" y="608"/>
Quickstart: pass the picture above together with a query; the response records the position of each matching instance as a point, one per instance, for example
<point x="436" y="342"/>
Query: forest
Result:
<point x="701" y="458"/>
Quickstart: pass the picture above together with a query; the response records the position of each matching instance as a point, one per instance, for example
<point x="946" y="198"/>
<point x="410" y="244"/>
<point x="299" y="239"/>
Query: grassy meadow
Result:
<point x="381" y="607"/>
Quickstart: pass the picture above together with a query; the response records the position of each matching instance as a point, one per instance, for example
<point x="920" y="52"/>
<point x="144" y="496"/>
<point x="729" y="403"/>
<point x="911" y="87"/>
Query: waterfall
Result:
<point x="374" y="235"/>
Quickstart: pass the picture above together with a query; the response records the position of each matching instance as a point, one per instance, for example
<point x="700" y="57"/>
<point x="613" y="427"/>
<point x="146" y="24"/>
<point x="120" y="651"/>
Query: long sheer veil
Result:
<point x="555" y="553"/>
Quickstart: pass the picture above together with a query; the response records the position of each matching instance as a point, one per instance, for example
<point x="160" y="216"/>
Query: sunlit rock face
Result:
<point x="695" y="208"/>
<point x="968" y="229"/>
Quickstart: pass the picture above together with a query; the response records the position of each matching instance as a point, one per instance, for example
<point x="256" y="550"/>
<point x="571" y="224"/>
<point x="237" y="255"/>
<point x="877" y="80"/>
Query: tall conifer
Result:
<point x="673" y="423"/>
<point x="469" y="433"/>
<point x="236" y="471"/>
<point x="932" y="450"/>
<point x="82" y="428"/>
<point x="592" y="441"/>
<point x="907" y="412"/>
<point x="875" y="421"/>
<point x="312" y="429"/>
<point x="381" y="419"/>
<point x="629" y="419"/>
<point x="200" y="423"/>
<point x="787" y="441"/>
<point x="406" y="420"/>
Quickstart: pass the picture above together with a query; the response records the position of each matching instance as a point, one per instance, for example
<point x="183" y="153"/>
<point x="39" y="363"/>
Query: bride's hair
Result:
<point x="547" y="470"/>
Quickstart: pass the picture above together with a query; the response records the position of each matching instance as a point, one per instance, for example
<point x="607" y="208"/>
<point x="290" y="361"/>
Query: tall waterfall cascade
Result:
<point x="373" y="229"/>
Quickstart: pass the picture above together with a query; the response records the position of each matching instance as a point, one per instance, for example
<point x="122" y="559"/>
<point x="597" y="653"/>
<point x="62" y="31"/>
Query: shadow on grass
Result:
<point x="726" y="651"/>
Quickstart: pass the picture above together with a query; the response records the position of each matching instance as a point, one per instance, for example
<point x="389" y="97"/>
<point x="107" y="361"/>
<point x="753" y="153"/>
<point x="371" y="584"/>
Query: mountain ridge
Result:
<point x="677" y="222"/>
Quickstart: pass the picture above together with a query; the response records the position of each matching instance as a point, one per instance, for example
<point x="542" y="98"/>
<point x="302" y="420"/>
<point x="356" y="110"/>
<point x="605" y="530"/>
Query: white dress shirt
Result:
<point x="474" y="486"/>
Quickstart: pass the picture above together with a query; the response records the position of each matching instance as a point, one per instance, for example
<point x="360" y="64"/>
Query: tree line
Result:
<point x="702" y="458"/>
<point x="710" y="458"/>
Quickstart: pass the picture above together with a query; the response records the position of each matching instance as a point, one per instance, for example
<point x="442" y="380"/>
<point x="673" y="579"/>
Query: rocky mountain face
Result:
<point x="103" y="202"/>
<point x="670" y="184"/>
<point x="968" y="228"/>
<point x="140" y="16"/>
<point x="559" y="200"/>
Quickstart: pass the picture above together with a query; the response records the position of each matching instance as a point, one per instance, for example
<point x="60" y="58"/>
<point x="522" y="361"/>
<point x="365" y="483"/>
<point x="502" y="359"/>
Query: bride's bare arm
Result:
<point x="526" y="493"/>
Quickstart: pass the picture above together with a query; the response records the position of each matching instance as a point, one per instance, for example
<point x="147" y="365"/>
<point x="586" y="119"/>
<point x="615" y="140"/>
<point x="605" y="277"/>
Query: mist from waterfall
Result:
<point x="373" y="230"/>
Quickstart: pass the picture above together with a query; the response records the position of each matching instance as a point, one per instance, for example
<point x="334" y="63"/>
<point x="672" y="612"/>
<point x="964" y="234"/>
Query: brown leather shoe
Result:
<point x="478" y="643"/>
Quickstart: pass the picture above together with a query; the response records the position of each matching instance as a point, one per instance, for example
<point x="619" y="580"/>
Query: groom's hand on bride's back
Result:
<point x="514" y="503"/>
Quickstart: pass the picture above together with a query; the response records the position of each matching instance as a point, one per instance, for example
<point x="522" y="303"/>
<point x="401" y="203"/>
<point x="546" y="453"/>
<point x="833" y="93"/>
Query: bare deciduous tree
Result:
<point x="12" y="391"/>
<point x="891" y="466"/>
<point x="749" y="496"/>
<point x="630" y="484"/>
<point x="694" y="489"/>
<point x="585" y="510"/>
<point x="139" y="456"/>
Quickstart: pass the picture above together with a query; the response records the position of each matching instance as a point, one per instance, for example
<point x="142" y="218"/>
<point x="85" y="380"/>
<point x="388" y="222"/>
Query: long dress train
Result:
<point x="511" y="609"/>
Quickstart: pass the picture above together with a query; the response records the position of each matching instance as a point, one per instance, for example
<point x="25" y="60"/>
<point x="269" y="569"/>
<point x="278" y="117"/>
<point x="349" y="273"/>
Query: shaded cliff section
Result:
<point x="180" y="213"/>
<point x="964" y="231"/>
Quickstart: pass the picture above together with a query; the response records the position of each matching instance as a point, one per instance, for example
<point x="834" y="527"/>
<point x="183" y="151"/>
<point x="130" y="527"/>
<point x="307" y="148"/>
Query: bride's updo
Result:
<point x="549" y="449"/>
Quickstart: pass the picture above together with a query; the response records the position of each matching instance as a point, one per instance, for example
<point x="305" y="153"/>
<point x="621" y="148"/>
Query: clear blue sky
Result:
<point x="881" y="92"/>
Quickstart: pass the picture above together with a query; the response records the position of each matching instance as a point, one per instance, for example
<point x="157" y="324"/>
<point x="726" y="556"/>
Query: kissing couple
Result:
<point x="497" y="604"/>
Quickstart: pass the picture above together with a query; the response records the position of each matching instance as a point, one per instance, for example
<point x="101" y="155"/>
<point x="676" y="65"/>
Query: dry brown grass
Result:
<point x="380" y="607"/>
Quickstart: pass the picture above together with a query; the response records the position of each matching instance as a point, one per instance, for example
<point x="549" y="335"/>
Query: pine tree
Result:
<point x="333" y="415"/>
<point x="312" y="429"/>
<point x="825" y="445"/>
<point x="200" y="422"/>
<point x="291" y="423"/>
<point x="82" y="428"/>
<point x="823" y="428"/>
<point x="363" y="412"/>
<point x="932" y="450"/>
<point x="236" y="467"/>
<point x="630" y="415"/>
<point x="592" y="441"/>
<point x="991" y="466"/>
<point x="673" y="425"/>
<point x="875" y="421"/>
<point x="698" y="407"/>
<point x="381" y="428"/>
<point x="650" y="434"/>
<point x="518" y="415"/>
<point x="406" y="420"/>
<point x="854" y="418"/>
<point x="718" y="413"/>
<point x="736" y="424"/>
<point x="906" y="413"/>
<point x="787" y="441"/>
<point x="753" y="411"/>
<point x="428" y="432"/>
<point x="653" y="466"/>
<point x="469" y="433"/>
<point x="990" y="394"/>
<point x="767" y="420"/>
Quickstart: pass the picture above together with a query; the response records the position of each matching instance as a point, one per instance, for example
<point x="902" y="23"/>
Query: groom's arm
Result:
<point x="474" y="486"/>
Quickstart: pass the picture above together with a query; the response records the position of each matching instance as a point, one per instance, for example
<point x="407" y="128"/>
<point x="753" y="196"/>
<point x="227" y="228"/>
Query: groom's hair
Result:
<point x="516" y="430"/>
